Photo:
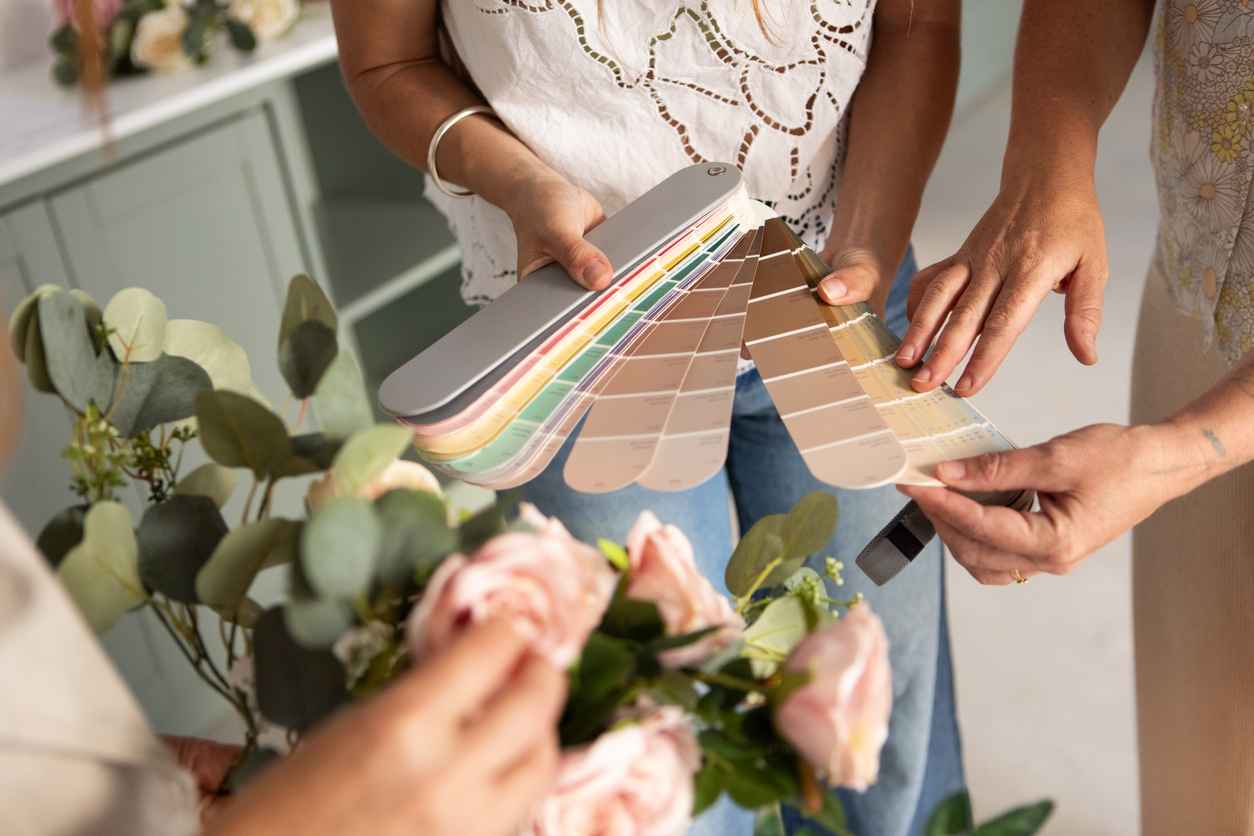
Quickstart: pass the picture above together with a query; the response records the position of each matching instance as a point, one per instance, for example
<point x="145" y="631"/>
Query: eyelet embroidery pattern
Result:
<point x="617" y="103"/>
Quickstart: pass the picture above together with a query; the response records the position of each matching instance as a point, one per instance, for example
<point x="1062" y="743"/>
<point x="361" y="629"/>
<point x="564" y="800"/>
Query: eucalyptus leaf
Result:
<point x="1021" y="821"/>
<point x="367" y="454"/>
<point x="415" y="535"/>
<point x="758" y="548"/>
<point x="481" y="527"/>
<point x="237" y="431"/>
<point x="37" y="360"/>
<point x="62" y="533"/>
<point x="94" y="316"/>
<point x="79" y="375"/>
<point x="136" y="318"/>
<point x="707" y="787"/>
<point x="223" y="582"/>
<point x="156" y="393"/>
<point x="317" y="622"/>
<point x="341" y="402"/>
<point x="779" y="628"/>
<point x="296" y="686"/>
<point x="952" y="817"/>
<point x="211" y="480"/>
<point x="339" y="547"/>
<point x="305" y="356"/>
<point x="176" y="540"/>
<point x="305" y="302"/>
<point x="311" y="453"/>
<point x="807" y="528"/>
<point x="246" y="614"/>
<point x="209" y="347"/>
<point x="241" y="35"/>
<point x="769" y="821"/>
<point x="831" y="816"/>
<point x="101" y="573"/>
<point x="23" y="315"/>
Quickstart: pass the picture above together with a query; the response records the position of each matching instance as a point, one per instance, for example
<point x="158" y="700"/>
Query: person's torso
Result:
<point x="618" y="95"/>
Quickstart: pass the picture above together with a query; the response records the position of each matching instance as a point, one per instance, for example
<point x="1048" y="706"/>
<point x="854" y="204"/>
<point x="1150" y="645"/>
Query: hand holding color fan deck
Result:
<point x="651" y="363"/>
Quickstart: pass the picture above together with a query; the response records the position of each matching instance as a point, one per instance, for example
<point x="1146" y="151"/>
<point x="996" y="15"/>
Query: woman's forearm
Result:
<point x="900" y="115"/>
<point x="389" y="52"/>
<point x="1215" y="433"/>
<point x="1072" y="61"/>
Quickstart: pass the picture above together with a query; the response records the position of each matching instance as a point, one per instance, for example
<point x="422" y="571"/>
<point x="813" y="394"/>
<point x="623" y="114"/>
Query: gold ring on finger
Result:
<point x="1018" y="576"/>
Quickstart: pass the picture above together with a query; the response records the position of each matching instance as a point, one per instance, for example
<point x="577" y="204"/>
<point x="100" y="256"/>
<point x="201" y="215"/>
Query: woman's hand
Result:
<point x="1039" y="235"/>
<point x="209" y="762"/>
<point x="463" y="745"/>
<point x="857" y="276"/>
<point x="550" y="217"/>
<point x="1093" y="485"/>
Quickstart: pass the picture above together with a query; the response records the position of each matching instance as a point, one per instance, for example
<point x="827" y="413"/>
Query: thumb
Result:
<point x="585" y="262"/>
<point x="1008" y="470"/>
<point x="849" y="284"/>
<point x="1084" y="312"/>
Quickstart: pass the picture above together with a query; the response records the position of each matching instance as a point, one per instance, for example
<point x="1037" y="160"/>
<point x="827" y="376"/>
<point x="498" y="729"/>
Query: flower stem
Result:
<point x="743" y="602"/>
<point x="733" y="682"/>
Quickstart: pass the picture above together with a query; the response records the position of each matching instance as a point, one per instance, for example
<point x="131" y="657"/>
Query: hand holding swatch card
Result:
<point x="649" y="367"/>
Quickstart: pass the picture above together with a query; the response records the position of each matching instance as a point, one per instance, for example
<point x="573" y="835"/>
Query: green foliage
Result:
<point x="136" y="321"/>
<point x="101" y="573"/>
<point x="62" y="533"/>
<point x="953" y="817"/>
<point x="78" y="374"/>
<point x="481" y="527"/>
<point x="779" y="628"/>
<point x="341" y="400"/>
<point x="615" y="554"/>
<point x="224" y="580"/>
<point x="366" y="455"/>
<point x="339" y="547"/>
<point x="307" y="341"/>
<point x="156" y="393"/>
<point x="211" y="480"/>
<point x="176" y="540"/>
<point x="242" y="37"/>
<point x="415" y="535"/>
<point x="296" y="686"/>
<point x="778" y="544"/>
<point x="237" y="431"/>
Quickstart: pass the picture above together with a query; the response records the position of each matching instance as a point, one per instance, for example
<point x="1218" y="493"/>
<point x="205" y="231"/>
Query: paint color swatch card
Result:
<point x="643" y="374"/>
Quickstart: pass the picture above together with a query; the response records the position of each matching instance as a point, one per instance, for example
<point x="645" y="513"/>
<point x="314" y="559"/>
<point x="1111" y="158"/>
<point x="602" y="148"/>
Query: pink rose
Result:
<point x="104" y="11"/>
<point x="839" y="720"/>
<point x="531" y="515"/>
<point x="633" y="781"/>
<point x="664" y="571"/>
<point x="553" y="587"/>
<point x="399" y="474"/>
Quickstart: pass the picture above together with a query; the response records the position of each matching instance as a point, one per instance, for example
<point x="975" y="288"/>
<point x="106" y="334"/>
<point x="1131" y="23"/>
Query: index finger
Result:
<point x="471" y="670"/>
<point x="1018" y="300"/>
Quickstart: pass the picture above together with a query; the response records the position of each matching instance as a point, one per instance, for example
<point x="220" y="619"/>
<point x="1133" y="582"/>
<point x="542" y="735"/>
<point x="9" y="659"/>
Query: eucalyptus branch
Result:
<point x="199" y="638"/>
<point x="264" y="511"/>
<point x="248" y="503"/>
<point x="178" y="640"/>
<point x="726" y="681"/>
<point x="743" y="602"/>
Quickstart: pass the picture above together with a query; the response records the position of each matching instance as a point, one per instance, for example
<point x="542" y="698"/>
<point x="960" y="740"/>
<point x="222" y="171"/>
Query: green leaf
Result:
<point x="779" y="628"/>
<point x="246" y="614"/>
<point x="707" y="787"/>
<point x="211" y="480"/>
<point x="209" y="347"/>
<point x="223" y="582"/>
<point x="339" y="547"/>
<point x="65" y="71"/>
<point x="311" y="453"/>
<point x="416" y="535"/>
<point x="63" y="38"/>
<point x="952" y="817"/>
<point x="317" y="622"/>
<point x="615" y="554"/>
<point x="631" y="618"/>
<point x="296" y="686"/>
<point x="37" y="360"/>
<point x="677" y="689"/>
<point x="762" y="545"/>
<point x="831" y="816"/>
<point x="62" y="533"/>
<point x="1021" y="821"/>
<point x="605" y="666"/>
<point x="101" y="573"/>
<point x="769" y="821"/>
<point x="341" y="402"/>
<point x="78" y="374"/>
<point x="23" y="315"/>
<point x="665" y="643"/>
<point x="176" y="540"/>
<point x="305" y="302"/>
<point x="367" y="454"/>
<point x="810" y="524"/>
<point x="305" y="356"/>
<point x="157" y="393"/>
<point x="481" y="527"/>
<point x="137" y="319"/>
<point x="236" y="431"/>
<point x="242" y="37"/>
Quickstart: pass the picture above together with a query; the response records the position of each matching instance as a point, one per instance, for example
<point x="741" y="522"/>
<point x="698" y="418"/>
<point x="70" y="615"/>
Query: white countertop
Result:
<point x="44" y="123"/>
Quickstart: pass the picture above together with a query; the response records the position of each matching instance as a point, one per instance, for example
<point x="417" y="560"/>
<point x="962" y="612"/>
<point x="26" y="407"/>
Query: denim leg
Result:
<point x="702" y="513"/>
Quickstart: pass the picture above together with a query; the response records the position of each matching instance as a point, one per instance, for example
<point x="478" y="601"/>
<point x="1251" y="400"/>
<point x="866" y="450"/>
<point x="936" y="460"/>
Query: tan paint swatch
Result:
<point x="841" y="436"/>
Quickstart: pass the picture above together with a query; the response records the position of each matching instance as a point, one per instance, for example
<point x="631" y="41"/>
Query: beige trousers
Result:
<point x="1193" y="607"/>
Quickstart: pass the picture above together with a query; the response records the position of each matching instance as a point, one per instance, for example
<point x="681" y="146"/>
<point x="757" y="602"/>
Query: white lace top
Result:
<point x="618" y="95"/>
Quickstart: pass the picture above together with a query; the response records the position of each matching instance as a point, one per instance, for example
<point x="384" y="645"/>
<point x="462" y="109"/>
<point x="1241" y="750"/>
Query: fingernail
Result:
<point x="906" y="355"/>
<point x="924" y="376"/>
<point x="965" y="385"/>
<point x="951" y="470"/>
<point x="833" y="289"/>
<point x="593" y="274"/>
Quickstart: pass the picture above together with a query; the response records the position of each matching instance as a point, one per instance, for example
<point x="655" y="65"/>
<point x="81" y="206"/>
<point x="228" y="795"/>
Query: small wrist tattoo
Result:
<point x="1216" y="443"/>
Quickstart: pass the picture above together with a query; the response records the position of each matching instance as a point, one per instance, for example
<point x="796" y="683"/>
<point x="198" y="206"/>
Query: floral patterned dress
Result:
<point x="618" y="95"/>
<point x="1203" y="154"/>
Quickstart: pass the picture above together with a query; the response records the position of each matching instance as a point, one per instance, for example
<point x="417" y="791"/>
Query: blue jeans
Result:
<point x="922" y="761"/>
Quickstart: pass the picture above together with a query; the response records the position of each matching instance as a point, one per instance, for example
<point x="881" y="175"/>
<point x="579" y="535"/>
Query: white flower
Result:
<point x="267" y="18"/>
<point x="358" y="647"/>
<point x="158" y="43"/>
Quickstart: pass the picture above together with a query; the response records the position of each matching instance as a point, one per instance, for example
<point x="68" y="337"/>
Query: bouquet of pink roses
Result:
<point x="678" y="695"/>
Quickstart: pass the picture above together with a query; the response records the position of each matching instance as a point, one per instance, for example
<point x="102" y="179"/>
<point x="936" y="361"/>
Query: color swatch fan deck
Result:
<point x="644" y="373"/>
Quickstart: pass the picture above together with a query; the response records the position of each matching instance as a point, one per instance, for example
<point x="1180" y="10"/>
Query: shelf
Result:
<point x="379" y="249"/>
